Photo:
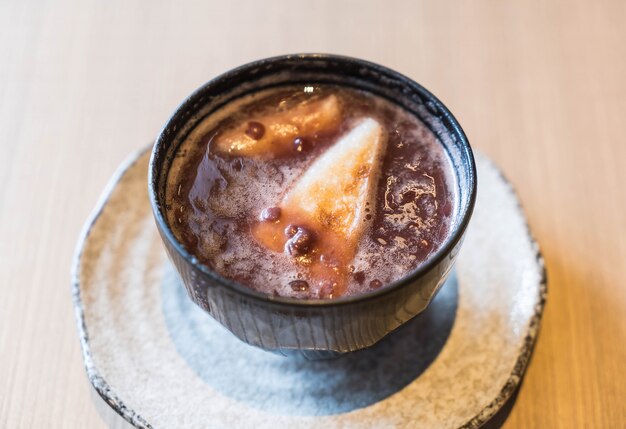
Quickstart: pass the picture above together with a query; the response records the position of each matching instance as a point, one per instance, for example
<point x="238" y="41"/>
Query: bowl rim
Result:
<point x="453" y="126"/>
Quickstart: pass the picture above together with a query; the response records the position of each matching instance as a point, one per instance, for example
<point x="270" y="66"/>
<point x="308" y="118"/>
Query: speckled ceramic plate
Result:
<point x="161" y="362"/>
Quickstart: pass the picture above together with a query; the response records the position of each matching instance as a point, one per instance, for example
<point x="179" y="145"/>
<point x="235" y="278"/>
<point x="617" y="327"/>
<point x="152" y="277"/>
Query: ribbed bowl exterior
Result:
<point x="316" y="329"/>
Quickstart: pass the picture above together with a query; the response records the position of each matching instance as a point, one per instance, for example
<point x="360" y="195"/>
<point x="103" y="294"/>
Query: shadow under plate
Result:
<point x="295" y="386"/>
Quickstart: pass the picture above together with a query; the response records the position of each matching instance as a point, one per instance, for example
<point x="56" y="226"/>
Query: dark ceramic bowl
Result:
<point x="313" y="328"/>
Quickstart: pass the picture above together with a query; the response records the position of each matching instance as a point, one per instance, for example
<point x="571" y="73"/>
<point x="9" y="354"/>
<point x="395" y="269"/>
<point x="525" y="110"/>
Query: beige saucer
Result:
<point x="161" y="362"/>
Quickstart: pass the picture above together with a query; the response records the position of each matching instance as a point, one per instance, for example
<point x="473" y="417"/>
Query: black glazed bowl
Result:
<point x="313" y="328"/>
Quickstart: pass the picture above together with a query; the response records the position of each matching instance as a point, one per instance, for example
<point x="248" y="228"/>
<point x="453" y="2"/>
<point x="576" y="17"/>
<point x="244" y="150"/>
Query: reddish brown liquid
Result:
<point x="214" y="201"/>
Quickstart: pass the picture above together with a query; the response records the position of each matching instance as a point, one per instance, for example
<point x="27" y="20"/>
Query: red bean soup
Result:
<point x="311" y="192"/>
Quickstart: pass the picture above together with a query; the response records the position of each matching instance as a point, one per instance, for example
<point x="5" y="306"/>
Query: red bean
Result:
<point x="256" y="130"/>
<point x="300" y="243"/>
<point x="376" y="284"/>
<point x="299" y="285"/>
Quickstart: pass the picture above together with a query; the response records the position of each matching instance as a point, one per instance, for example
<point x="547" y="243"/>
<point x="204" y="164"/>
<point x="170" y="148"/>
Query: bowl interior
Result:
<point x="311" y="69"/>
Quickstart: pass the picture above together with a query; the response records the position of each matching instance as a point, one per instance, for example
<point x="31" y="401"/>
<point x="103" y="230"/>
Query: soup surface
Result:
<point x="311" y="192"/>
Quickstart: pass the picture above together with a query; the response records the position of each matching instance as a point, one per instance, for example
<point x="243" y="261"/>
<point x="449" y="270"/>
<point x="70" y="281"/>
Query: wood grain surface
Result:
<point x="538" y="86"/>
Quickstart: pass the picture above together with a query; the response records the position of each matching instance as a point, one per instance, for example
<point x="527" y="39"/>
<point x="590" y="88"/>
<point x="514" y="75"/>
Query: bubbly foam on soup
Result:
<point x="236" y="169"/>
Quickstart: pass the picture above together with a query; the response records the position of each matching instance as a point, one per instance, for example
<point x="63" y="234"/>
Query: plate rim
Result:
<point x="105" y="391"/>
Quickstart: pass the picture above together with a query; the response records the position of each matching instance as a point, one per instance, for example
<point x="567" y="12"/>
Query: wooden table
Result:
<point x="538" y="86"/>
